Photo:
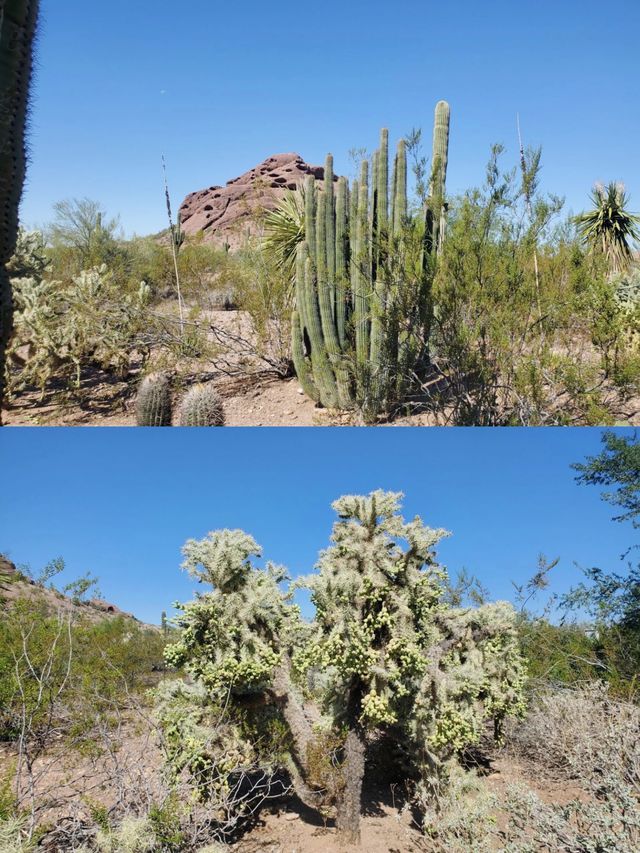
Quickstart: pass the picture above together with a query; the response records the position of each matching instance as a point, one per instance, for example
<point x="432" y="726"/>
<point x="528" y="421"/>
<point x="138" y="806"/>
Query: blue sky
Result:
<point x="218" y="87"/>
<point x="120" y="503"/>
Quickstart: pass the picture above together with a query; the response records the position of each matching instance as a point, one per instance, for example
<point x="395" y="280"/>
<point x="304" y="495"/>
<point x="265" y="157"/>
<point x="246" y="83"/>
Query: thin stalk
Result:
<point x="174" y="247"/>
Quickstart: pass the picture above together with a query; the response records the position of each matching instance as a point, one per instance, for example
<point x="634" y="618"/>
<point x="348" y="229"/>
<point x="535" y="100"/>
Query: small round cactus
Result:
<point x="153" y="405"/>
<point x="201" y="407"/>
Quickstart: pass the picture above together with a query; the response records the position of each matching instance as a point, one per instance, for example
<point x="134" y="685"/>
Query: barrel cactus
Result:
<point x="18" y="21"/>
<point x="153" y="404"/>
<point x="360" y="325"/>
<point x="201" y="407"/>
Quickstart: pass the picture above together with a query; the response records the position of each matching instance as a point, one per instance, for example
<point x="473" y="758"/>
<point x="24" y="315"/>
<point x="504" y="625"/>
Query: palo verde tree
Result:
<point x="18" y="20"/>
<point x="386" y="653"/>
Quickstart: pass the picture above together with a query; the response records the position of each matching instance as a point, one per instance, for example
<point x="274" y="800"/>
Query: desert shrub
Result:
<point x="259" y="340"/>
<point x="584" y="735"/>
<point x="526" y="323"/>
<point x="63" y="326"/>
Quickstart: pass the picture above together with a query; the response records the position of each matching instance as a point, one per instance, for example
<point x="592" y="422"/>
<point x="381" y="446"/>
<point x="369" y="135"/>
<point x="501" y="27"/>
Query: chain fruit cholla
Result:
<point x="385" y="653"/>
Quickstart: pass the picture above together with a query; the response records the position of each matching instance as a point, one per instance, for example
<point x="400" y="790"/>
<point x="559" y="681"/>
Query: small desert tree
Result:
<point x="386" y="654"/>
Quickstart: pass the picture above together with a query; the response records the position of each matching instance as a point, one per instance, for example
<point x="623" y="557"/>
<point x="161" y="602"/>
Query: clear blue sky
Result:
<point x="121" y="503"/>
<point x="220" y="86"/>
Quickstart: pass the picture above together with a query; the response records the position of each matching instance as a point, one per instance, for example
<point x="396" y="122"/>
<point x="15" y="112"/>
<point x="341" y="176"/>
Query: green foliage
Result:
<point x="153" y="403"/>
<point x="82" y="226"/>
<point x="525" y="323"/>
<point x="78" y="590"/>
<point x="617" y="465"/>
<point x="201" y="407"/>
<point x="609" y="228"/>
<point x="54" y="666"/>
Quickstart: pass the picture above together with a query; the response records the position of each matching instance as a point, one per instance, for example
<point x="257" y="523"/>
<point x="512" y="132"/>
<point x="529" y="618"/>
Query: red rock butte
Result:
<point x="231" y="214"/>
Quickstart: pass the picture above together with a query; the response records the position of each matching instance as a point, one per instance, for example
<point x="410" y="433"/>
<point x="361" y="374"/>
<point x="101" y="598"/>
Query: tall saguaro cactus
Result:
<point x="439" y="161"/>
<point x="18" y="20"/>
<point x="355" y="337"/>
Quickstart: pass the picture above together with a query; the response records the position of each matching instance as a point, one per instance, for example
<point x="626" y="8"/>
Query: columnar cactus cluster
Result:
<point x="360" y="323"/>
<point x="18" y="19"/>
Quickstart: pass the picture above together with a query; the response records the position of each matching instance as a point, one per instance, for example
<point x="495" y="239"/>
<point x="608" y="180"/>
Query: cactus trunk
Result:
<point x="18" y="21"/>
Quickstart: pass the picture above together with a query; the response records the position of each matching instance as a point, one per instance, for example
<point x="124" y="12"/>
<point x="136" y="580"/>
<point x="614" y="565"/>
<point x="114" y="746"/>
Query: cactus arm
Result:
<point x="439" y="162"/>
<point x="330" y="229"/>
<point x="342" y="294"/>
<point x="325" y="302"/>
<point x="400" y="189"/>
<point x="362" y="284"/>
<point x="303" y="368"/>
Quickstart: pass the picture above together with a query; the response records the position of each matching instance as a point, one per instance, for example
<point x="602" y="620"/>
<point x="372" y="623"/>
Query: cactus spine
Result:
<point x="153" y="404"/>
<point x="201" y="407"/>
<point x="18" y="21"/>
<point x="350" y="343"/>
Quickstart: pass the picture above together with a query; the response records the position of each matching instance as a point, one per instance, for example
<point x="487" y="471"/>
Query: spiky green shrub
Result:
<point x="363" y="271"/>
<point x="385" y="654"/>
<point x="201" y="407"/>
<point x="64" y="327"/>
<point x="153" y="403"/>
<point x="609" y="228"/>
<point x="18" y="21"/>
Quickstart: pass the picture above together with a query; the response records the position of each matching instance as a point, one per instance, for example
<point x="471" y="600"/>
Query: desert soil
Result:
<point x="250" y="399"/>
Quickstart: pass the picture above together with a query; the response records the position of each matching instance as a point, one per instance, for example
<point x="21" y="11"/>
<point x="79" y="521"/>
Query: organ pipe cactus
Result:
<point x="18" y="20"/>
<point x="361" y="319"/>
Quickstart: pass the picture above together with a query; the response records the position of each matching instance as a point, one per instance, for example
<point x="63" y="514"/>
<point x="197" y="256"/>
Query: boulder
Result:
<point x="228" y="215"/>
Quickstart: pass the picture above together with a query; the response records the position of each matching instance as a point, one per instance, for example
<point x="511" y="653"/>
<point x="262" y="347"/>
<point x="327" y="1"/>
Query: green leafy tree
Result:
<point x="612" y="598"/>
<point x="609" y="228"/>
<point x="82" y="224"/>
<point x="386" y="652"/>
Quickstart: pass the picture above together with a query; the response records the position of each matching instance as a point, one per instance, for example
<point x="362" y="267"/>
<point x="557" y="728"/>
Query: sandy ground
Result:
<point x="249" y="400"/>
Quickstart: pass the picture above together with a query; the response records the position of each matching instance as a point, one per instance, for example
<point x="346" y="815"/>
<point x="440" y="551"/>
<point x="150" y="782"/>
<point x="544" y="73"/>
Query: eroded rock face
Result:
<point x="231" y="213"/>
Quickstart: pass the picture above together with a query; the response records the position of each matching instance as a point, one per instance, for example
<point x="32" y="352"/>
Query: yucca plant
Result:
<point x="284" y="230"/>
<point x="609" y="227"/>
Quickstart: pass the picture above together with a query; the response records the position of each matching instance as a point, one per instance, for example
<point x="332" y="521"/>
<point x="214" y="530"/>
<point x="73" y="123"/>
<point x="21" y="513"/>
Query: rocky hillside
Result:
<point x="15" y="585"/>
<point x="227" y="215"/>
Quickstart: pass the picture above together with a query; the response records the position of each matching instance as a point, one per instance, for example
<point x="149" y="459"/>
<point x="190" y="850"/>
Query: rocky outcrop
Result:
<point x="230" y="214"/>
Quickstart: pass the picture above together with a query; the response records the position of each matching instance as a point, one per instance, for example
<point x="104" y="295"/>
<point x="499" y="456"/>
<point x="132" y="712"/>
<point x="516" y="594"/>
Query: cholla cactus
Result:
<point x="386" y="651"/>
<point x="65" y="324"/>
<point x="153" y="403"/>
<point x="395" y="654"/>
<point x="202" y="407"/>
<point x="245" y="614"/>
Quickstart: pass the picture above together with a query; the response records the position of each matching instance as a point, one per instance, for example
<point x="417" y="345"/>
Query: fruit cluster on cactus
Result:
<point x="200" y="407"/>
<point x="360" y="326"/>
<point x="18" y="20"/>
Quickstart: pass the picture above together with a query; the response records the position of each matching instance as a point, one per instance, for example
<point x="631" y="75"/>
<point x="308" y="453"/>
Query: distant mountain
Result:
<point x="15" y="585"/>
<point x="227" y="215"/>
